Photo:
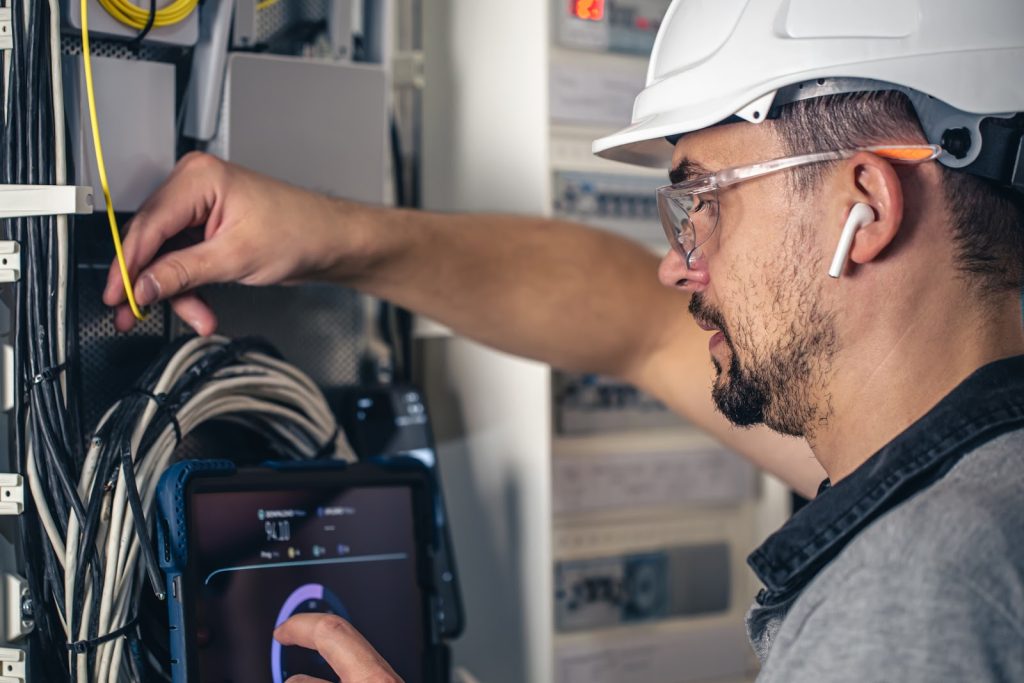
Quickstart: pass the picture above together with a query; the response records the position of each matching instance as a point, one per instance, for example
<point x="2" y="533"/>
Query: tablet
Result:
<point x="243" y="550"/>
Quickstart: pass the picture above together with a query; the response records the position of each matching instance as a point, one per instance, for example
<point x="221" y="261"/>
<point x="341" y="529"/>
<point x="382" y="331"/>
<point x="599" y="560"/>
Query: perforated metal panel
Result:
<point x="277" y="17"/>
<point x="72" y="45"/>
<point x="110" y="362"/>
<point x="319" y="328"/>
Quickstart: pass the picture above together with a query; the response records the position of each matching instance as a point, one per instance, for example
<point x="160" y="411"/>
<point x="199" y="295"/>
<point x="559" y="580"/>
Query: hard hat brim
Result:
<point x="644" y="142"/>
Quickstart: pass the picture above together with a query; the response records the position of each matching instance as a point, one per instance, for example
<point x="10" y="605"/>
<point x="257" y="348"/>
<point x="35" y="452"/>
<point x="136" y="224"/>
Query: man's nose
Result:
<point x="673" y="272"/>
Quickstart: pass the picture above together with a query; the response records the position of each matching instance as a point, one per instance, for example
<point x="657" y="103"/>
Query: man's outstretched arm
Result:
<point x="577" y="298"/>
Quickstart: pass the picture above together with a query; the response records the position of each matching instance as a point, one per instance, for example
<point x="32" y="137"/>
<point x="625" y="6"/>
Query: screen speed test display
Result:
<point x="260" y="557"/>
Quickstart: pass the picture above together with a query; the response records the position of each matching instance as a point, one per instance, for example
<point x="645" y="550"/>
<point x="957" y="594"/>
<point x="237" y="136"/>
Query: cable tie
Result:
<point x="49" y="374"/>
<point x="139" y="518"/>
<point x="82" y="647"/>
<point x="164" y="406"/>
<point x="108" y="486"/>
<point x="329" y="447"/>
<point x="136" y="42"/>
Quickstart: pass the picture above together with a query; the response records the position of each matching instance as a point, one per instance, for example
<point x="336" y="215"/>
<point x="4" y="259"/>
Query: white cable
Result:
<point x="256" y="386"/>
<point x="5" y="59"/>
<point x="116" y="531"/>
<point x="36" y="487"/>
<point x="212" y="409"/>
<point x="82" y="660"/>
<point x="57" y="85"/>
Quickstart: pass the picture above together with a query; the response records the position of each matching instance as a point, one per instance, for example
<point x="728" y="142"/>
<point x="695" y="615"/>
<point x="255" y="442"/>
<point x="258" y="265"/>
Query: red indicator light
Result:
<point x="643" y="23"/>
<point x="590" y="10"/>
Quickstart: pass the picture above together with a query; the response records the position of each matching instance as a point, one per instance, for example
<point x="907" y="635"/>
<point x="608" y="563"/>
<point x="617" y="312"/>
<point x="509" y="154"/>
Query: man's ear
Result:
<point x="873" y="181"/>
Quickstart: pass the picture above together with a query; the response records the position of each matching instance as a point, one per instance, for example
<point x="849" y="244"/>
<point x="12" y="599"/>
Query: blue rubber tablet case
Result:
<point x="245" y="549"/>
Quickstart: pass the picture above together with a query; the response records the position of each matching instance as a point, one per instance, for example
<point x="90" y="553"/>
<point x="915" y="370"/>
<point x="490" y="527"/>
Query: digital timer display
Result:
<point x="590" y="10"/>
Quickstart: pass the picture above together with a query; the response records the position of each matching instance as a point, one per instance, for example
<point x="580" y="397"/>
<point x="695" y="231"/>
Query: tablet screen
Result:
<point x="258" y="557"/>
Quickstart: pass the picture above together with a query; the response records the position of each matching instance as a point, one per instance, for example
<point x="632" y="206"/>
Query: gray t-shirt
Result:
<point x="932" y="590"/>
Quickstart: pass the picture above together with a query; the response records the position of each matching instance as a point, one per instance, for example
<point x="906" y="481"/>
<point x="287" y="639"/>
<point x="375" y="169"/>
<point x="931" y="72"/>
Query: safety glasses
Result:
<point x="690" y="211"/>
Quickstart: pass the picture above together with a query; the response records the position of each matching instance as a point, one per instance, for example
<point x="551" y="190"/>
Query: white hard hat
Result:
<point x="961" y="63"/>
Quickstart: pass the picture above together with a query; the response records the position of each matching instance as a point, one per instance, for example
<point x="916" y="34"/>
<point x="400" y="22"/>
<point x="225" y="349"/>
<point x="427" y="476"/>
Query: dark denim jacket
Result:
<point x="990" y="402"/>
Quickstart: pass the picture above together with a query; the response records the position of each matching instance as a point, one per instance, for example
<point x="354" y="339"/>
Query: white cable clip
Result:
<point x="17" y="624"/>
<point x="12" y="665"/>
<point x="12" y="494"/>
<point x="6" y="40"/>
<point x="10" y="261"/>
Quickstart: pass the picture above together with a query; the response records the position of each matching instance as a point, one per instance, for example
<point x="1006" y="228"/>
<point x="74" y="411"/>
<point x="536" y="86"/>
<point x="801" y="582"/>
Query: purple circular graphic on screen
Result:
<point x="310" y="597"/>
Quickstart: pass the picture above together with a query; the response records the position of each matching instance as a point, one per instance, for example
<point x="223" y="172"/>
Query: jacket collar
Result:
<point x="988" y="403"/>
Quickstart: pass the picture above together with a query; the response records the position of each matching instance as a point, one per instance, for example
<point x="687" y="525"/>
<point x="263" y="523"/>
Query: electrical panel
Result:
<point x="582" y="93"/>
<point x="682" y="653"/>
<point x="624" y="204"/>
<point x="650" y="532"/>
<point x="585" y="494"/>
<point x="654" y="582"/>
<point x="588" y="404"/>
<point x="625" y="26"/>
<point x="673" y="582"/>
<point x="651" y="471"/>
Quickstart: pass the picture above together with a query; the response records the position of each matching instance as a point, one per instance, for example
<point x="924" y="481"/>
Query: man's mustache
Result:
<point x="704" y="312"/>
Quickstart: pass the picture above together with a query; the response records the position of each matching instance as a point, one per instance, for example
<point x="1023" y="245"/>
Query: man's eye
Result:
<point x="701" y="205"/>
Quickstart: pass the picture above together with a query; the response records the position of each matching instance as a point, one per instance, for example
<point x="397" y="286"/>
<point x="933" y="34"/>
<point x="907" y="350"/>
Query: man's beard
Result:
<point x="780" y="387"/>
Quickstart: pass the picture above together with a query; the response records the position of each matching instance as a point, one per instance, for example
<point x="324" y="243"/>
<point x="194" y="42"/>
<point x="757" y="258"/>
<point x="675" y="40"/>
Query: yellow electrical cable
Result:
<point x="115" y="233"/>
<point x="264" y="4"/>
<point x="136" y="17"/>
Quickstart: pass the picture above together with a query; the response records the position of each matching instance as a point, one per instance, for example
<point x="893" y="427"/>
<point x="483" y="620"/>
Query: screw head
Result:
<point x="956" y="141"/>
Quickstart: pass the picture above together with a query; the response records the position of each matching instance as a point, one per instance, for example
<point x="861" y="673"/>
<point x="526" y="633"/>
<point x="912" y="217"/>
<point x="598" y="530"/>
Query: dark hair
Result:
<point x="987" y="220"/>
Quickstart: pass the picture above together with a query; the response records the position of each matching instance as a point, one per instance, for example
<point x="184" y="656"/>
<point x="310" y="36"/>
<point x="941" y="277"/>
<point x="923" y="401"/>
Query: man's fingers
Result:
<point x="348" y="653"/>
<point x="184" y="200"/>
<point x="196" y="313"/>
<point x="173" y="276"/>
<point x="190" y="307"/>
<point x="303" y="678"/>
<point x="180" y="271"/>
<point x="124" y="319"/>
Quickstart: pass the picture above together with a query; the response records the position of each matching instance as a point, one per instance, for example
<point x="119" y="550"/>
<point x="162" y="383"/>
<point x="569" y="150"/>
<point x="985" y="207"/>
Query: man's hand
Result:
<point x="348" y="653"/>
<point x="245" y="228"/>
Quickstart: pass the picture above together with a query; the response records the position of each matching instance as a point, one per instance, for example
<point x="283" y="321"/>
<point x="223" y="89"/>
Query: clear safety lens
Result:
<point x="689" y="220"/>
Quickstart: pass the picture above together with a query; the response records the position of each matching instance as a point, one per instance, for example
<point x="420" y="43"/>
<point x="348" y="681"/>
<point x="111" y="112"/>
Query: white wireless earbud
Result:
<point x="860" y="215"/>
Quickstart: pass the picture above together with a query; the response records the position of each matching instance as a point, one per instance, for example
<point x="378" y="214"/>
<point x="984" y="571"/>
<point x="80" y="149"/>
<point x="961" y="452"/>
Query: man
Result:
<point x="846" y="216"/>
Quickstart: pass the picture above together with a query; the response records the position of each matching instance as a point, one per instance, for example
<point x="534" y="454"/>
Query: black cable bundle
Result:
<point x="41" y="419"/>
